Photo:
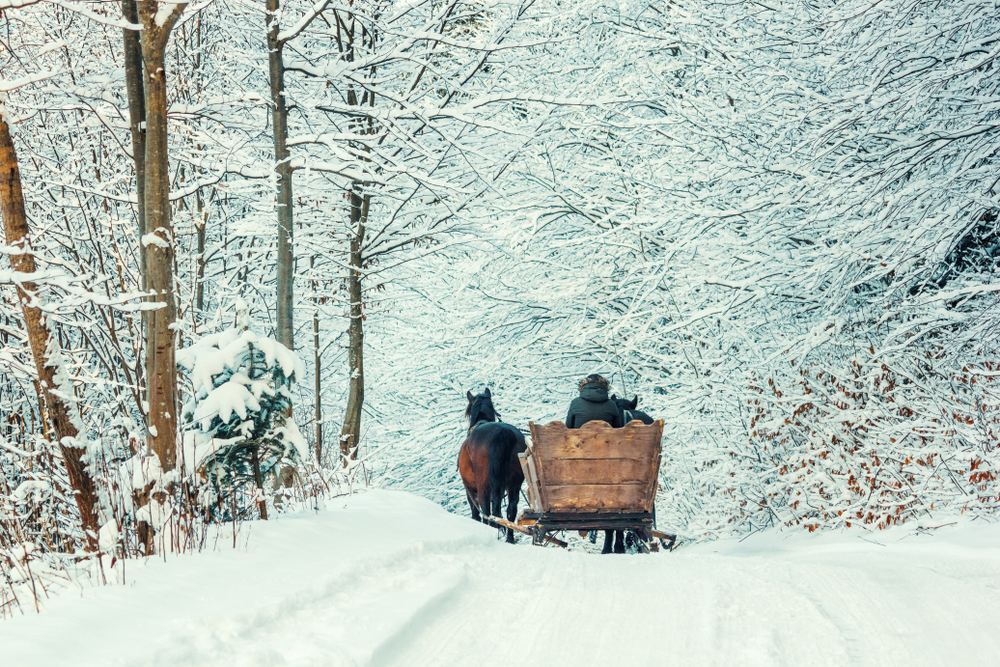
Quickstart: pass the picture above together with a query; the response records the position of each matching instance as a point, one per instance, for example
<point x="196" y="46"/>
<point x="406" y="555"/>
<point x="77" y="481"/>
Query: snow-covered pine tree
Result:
<point x="239" y="411"/>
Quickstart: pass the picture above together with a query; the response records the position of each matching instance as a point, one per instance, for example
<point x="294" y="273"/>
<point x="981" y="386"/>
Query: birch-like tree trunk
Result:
<point x="53" y="389"/>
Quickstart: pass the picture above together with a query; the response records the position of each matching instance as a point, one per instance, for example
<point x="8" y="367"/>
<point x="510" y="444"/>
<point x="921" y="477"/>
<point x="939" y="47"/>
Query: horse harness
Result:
<point x="485" y="421"/>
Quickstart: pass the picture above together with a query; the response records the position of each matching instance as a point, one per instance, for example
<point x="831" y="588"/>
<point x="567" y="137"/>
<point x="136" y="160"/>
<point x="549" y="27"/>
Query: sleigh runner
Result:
<point x="592" y="478"/>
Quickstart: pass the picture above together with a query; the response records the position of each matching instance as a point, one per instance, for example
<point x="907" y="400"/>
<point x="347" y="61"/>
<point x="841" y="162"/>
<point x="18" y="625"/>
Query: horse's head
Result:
<point x="625" y="404"/>
<point x="480" y="408"/>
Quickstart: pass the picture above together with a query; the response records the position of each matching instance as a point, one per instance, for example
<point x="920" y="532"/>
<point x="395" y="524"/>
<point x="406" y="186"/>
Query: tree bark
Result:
<point x="279" y="119"/>
<point x="137" y="125"/>
<point x="258" y="480"/>
<point x="317" y="385"/>
<point x="350" y="433"/>
<point x="199" y="302"/>
<point x="158" y="245"/>
<point x="137" y="118"/>
<point x="62" y="419"/>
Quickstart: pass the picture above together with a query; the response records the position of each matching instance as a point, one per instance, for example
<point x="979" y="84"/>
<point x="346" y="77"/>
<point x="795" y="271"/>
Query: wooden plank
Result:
<point x="539" y="484"/>
<point x="599" y="524"/>
<point x="589" y="497"/>
<point x="534" y="499"/>
<point x="596" y="440"/>
<point x="513" y="526"/>
<point x="497" y="522"/>
<point x="590" y="520"/>
<point x="596" y="467"/>
<point x="654" y="482"/>
<point x="522" y="458"/>
<point x="556" y="541"/>
<point x="598" y="471"/>
<point x="671" y="540"/>
<point x="528" y="518"/>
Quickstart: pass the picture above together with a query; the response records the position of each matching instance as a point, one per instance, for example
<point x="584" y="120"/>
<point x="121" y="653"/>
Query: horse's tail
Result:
<point x="502" y="449"/>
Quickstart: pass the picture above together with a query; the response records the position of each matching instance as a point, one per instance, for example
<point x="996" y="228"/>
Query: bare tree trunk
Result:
<point x="137" y="118"/>
<point x="350" y="433"/>
<point x="161" y="367"/>
<point x="66" y="431"/>
<point x="202" y="218"/>
<point x="135" y="90"/>
<point x="317" y="385"/>
<point x="279" y="119"/>
<point x="199" y="302"/>
<point x="259" y="481"/>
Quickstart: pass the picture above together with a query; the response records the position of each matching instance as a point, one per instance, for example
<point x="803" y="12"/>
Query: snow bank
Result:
<point x="387" y="578"/>
<point x="177" y="612"/>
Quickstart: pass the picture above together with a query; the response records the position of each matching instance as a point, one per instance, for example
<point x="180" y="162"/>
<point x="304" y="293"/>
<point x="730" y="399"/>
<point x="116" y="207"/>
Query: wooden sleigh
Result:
<point x="592" y="478"/>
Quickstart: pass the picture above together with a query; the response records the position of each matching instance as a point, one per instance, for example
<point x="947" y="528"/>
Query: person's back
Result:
<point x="593" y="404"/>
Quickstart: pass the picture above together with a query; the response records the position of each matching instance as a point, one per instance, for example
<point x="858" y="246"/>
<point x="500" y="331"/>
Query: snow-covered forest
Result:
<point x="257" y="252"/>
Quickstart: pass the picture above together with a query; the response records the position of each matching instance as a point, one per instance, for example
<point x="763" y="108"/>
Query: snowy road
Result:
<point x="391" y="579"/>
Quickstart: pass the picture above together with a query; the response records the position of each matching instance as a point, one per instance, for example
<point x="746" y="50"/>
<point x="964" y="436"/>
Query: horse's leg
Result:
<point x="608" y="536"/>
<point x="619" y="541"/>
<point x="484" y="502"/>
<point x="467" y="472"/>
<point x="473" y="505"/>
<point x="481" y="468"/>
<point x="496" y="509"/>
<point x="512" y="497"/>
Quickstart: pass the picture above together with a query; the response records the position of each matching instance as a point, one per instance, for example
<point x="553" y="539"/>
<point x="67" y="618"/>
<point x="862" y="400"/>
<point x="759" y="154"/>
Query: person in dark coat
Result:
<point x="593" y="404"/>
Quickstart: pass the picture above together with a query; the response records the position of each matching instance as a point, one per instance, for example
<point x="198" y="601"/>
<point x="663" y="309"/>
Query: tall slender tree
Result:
<point x="283" y="169"/>
<point x="276" y="40"/>
<point x="132" y="52"/>
<point x="52" y="380"/>
<point x="159" y="242"/>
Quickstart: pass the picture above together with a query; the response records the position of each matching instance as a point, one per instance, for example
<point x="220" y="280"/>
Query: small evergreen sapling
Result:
<point x="239" y="410"/>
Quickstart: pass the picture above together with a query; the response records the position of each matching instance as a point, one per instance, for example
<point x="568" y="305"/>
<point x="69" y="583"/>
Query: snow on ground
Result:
<point x="387" y="578"/>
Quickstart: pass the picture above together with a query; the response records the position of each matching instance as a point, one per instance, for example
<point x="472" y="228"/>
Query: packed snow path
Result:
<point x="390" y="579"/>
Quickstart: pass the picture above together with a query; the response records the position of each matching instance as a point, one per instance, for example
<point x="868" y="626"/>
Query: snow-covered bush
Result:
<point x="241" y="433"/>
<point x="858" y="438"/>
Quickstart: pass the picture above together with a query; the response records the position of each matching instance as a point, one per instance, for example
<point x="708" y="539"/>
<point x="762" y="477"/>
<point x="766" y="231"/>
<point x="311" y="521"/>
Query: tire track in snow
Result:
<point x="450" y="604"/>
<point x="527" y="606"/>
<point x="346" y="620"/>
<point x="636" y="610"/>
<point x="884" y="610"/>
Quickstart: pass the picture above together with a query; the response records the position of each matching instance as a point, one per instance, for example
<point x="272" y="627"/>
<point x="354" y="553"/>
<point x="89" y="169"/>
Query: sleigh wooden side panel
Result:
<point x="595" y="468"/>
<point x="531" y="479"/>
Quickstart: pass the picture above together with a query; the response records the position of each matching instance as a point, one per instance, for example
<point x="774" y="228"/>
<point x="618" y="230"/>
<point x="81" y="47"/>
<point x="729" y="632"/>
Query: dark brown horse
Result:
<point x="488" y="461"/>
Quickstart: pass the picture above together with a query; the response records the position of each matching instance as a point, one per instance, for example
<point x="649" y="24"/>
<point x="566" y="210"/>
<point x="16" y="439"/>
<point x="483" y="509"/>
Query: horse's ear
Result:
<point x="469" y="396"/>
<point x="487" y="393"/>
<point x="614" y="397"/>
<point x="634" y="402"/>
